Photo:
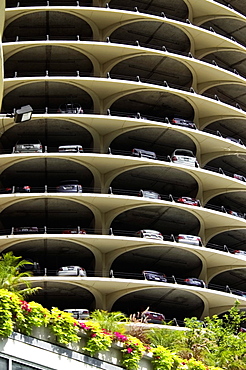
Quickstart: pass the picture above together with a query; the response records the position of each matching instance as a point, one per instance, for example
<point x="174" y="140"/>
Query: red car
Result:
<point x="188" y="200"/>
<point x="153" y="317"/>
<point x="74" y="230"/>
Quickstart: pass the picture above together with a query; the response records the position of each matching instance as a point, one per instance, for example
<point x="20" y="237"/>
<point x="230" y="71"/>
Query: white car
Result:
<point x="240" y="253"/>
<point x="78" y="313"/>
<point x="71" y="271"/>
<point x="189" y="239"/>
<point x="70" y="149"/>
<point x="184" y="157"/>
<point x="149" y="234"/>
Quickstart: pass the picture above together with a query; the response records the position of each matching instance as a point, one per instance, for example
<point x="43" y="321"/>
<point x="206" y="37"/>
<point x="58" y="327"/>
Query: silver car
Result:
<point x="71" y="271"/>
<point x="184" y="157"/>
<point x="78" y="313"/>
<point x="149" y="234"/>
<point x="149" y="194"/>
<point x="28" y="146"/>
<point x="143" y="153"/>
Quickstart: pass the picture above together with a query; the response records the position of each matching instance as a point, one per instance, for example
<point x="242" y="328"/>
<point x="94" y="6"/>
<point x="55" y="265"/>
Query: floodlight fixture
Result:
<point x="23" y="114"/>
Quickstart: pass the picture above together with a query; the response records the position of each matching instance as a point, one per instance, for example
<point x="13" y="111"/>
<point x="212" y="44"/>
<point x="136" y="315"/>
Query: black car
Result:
<point x="155" y="276"/>
<point x="69" y="186"/>
<point x="70" y="108"/>
<point x="195" y="282"/>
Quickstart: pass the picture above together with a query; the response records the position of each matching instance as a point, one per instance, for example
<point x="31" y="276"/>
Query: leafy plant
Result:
<point x="33" y="314"/>
<point x="63" y="326"/>
<point x="9" y="311"/>
<point x="98" y="339"/>
<point x="163" y="359"/>
<point x="11" y="276"/>
<point x="110" y="321"/>
<point x="171" y="339"/>
<point x="132" y="352"/>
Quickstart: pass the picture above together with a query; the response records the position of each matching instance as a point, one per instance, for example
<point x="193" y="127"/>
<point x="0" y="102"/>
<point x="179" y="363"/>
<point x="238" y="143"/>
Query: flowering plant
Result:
<point x="33" y="314"/>
<point x="132" y="352"/>
<point x="63" y="326"/>
<point x="98" y="339"/>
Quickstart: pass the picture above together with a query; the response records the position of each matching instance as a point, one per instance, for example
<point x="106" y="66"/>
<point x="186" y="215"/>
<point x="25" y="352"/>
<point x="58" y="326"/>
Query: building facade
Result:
<point x="134" y="159"/>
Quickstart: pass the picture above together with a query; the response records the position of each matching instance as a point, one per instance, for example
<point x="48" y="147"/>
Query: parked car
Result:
<point x="28" y="146"/>
<point x="74" y="230"/>
<point x="184" y="157"/>
<point x="69" y="186"/>
<point x="196" y="282"/>
<point x="149" y="234"/>
<point x="71" y="271"/>
<point x="234" y="213"/>
<point x="189" y="239"/>
<point x="155" y="276"/>
<point x="70" y="108"/>
<point x="188" y="200"/>
<point x="26" y="230"/>
<point x="240" y="253"/>
<point x="234" y="140"/>
<point x="239" y="177"/>
<point x="78" y="313"/>
<point x="70" y="149"/>
<point x="32" y="266"/>
<point x="143" y="153"/>
<point x="17" y="189"/>
<point x="152" y="317"/>
<point x="241" y="293"/>
<point x="149" y="194"/>
<point x="182" y="122"/>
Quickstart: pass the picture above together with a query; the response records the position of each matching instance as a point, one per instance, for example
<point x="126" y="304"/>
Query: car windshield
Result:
<point x="69" y="182"/>
<point x="184" y="152"/>
<point x="25" y="141"/>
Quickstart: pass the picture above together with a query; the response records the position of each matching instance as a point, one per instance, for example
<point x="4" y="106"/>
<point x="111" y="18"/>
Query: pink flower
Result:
<point x="120" y="337"/>
<point x="129" y="350"/>
<point x="93" y="335"/>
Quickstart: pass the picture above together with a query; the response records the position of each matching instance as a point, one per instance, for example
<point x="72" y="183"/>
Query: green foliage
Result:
<point x="132" y="352"/>
<point x="171" y="339"/>
<point x="11" y="277"/>
<point x="19" y="315"/>
<point x="110" y="321"/>
<point x="9" y="310"/>
<point x="98" y="339"/>
<point x="163" y="359"/>
<point x="33" y="315"/>
<point x="219" y="345"/>
<point x="63" y="326"/>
